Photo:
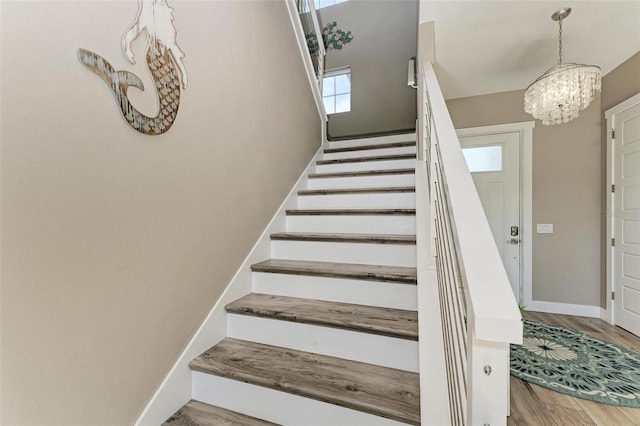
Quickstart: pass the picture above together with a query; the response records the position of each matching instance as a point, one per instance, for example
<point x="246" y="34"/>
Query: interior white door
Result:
<point x="494" y="163"/>
<point x="626" y="219"/>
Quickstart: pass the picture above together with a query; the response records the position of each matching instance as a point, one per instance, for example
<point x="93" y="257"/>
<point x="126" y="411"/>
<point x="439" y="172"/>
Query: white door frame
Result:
<point x="608" y="313"/>
<point x="525" y="128"/>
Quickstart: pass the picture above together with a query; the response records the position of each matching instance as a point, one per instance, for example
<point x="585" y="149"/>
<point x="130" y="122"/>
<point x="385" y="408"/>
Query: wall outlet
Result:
<point x="545" y="228"/>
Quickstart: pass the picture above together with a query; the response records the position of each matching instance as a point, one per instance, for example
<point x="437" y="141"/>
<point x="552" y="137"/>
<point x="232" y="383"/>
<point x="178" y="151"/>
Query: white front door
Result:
<point x="494" y="163"/>
<point x="626" y="219"/>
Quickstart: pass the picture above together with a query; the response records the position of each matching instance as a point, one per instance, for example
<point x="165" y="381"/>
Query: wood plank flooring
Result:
<point x="381" y="391"/>
<point x="534" y="405"/>
<point x="397" y="274"/>
<point x="345" y="238"/>
<point x="362" y="173"/>
<point x="367" y="159"/>
<point x="195" y="413"/>
<point x="397" y="323"/>
<point x="351" y="212"/>
<point x="390" y="189"/>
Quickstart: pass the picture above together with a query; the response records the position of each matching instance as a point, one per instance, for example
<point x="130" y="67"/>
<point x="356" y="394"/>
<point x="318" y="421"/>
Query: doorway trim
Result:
<point x="608" y="313"/>
<point x="525" y="129"/>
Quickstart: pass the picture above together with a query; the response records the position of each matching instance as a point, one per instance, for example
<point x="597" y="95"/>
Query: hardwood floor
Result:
<point x="535" y="405"/>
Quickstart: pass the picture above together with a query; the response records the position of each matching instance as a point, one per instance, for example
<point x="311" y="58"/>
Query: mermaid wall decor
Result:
<point x="163" y="58"/>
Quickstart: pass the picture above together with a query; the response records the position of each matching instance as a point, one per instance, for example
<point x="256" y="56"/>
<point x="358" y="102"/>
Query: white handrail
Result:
<point x="495" y="310"/>
<point x="318" y="30"/>
<point x="315" y="76"/>
<point x="479" y="312"/>
<point x="322" y="51"/>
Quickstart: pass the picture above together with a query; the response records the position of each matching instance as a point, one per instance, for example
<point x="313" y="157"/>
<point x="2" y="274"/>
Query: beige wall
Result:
<point x="566" y="193"/>
<point x="621" y="83"/>
<point x="617" y="86"/>
<point x="115" y="245"/>
<point x="384" y="39"/>
<point x="426" y="52"/>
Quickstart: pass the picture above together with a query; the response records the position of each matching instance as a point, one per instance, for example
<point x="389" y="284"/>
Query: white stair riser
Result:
<point x="411" y="137"/>
<point x="359" y="292"/>
<point x="377" y="181"/>
<point x="356" y="346"/>
<point x="370" y="153"/>
<point x="372" y="224"/>
<point x="382" y="200"/>
<point x="365" y="253"/>
<point x="366" y="165"/>
<point x="275" y="406"/>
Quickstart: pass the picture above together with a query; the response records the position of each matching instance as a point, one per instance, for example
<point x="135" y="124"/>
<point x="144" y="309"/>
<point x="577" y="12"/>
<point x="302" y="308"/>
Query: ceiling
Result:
<point x="495" y="46"/>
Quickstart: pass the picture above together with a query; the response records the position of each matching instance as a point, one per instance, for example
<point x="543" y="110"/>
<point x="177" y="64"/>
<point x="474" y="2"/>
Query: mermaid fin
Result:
<point x="105" y="70"/>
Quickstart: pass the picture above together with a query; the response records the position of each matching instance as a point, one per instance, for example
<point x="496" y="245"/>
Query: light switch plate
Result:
<point x="545" y="228"/>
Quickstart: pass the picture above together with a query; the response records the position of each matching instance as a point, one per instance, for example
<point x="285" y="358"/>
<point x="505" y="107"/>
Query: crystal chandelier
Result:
<point x="558" y="95"/>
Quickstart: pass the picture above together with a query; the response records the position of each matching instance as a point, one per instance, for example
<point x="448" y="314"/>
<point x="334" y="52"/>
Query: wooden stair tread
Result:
<point x="351" y="212"/>
<point x="389" y="189"/>
<point x="390" y="322"/>
<point x="373" y="389"/>
<point x="367" y="159"/>
<point x="395" y="274"/>
<point x="196" y="413"/>
<point x="362" y="173"/>
<point x="368" y="147"/>
<point x="345" y="238"/>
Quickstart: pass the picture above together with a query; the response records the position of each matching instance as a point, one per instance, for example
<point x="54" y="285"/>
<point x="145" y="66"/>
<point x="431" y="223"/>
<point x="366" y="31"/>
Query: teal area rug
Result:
<point x="577" y="364"/>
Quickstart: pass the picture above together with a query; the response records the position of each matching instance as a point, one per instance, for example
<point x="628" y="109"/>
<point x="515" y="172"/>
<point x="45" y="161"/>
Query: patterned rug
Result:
<point x="577" y="364"/>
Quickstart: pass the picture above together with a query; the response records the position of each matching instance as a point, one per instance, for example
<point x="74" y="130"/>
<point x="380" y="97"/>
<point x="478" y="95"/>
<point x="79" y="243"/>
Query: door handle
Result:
<point x="513" y="241"/>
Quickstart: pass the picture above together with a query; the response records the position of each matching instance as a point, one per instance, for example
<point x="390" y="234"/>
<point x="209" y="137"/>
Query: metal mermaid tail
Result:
<point x="164" y="59"/>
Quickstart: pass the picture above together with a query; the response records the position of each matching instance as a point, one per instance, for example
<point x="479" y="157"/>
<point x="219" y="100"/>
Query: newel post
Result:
<point x="488" y="381"/>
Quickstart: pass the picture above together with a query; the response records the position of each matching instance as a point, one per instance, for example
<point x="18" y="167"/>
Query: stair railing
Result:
<point x="479" y="315"/>
<point x="306" y="27"/>
<point x="313" y="36"/>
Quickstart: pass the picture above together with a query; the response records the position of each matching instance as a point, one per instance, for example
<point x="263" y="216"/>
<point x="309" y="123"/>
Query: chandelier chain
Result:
<point x="560" y="43"/>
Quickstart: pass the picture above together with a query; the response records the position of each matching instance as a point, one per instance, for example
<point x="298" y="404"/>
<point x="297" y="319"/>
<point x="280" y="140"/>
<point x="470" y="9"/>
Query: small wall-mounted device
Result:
<point x="412" y="73"/>
<point x="544" y="228"/>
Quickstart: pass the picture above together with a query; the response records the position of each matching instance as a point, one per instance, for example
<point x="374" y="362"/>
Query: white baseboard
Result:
<point x="564" y="309"/>
<point x="607" y="315"/>
<point x="175" y="389"/>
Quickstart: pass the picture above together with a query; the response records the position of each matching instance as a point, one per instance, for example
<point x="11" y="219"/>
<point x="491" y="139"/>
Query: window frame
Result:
<point x="331" y="74"/>
<point x="316" y="3"/>
<point x="481" y="147"/>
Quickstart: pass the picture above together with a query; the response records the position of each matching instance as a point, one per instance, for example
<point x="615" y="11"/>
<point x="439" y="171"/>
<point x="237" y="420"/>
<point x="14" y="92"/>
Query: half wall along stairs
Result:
<point x="329" y="335"/>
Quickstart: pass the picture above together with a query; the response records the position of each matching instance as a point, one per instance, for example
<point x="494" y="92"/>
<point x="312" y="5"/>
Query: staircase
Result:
<point x="329" y="335"/>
